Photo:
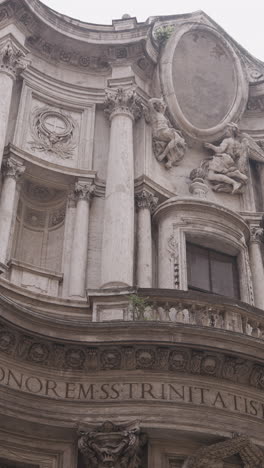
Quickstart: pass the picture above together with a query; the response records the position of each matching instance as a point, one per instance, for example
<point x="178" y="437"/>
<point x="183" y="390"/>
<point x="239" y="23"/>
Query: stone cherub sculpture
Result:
<point x="168" y="143"/>
<point x="227" y="168"/>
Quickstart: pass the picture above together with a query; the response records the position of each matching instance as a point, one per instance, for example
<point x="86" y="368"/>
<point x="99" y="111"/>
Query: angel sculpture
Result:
<point x="168" y="143"/>
<point x="227" y="168"/>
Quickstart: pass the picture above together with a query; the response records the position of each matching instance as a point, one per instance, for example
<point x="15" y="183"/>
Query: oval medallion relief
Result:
<point x="203" y="81"/>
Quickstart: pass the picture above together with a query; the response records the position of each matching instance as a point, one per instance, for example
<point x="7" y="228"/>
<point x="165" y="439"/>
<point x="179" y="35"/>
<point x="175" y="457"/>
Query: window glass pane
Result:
<point x="223" y="274"/>
<point x="198" y="267"/>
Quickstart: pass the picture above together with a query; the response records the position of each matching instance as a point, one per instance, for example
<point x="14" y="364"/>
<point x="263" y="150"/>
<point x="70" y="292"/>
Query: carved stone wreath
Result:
<point x="53" y="131"/>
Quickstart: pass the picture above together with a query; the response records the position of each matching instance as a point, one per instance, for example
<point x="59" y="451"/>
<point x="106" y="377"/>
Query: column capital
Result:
<point x="83" y="190"/>
<point x="122" y="101"/>
<point x="12" y="58"/>
<point x="13" y="169"/>
<point x="256" y="234"/>
<point x="145" y="199"/>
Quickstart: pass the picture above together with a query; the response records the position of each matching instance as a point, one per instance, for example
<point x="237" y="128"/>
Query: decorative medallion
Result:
<point x="203" y="81"/>
<point x="53" y="131"/>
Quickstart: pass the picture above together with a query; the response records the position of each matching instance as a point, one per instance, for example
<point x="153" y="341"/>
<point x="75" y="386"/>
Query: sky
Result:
<point x="243" y="20"/>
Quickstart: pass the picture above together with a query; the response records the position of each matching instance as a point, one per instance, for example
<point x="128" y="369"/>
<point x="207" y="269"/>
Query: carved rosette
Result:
<point x="123" y="101"/>
<point x="214" y="455"/>
<point x="111" y="445"/>
<point x="83" y="191"/>
<point x="145" y="199"/>
<point x="12" y="59"/>
<point x="13" y="169"/>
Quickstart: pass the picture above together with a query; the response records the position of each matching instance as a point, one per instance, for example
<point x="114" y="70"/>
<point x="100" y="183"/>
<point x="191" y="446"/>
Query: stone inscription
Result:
<point x="127" y="391"/>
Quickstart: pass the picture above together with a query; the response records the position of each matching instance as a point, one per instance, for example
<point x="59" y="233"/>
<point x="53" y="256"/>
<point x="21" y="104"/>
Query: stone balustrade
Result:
<point x="226" y="317"/>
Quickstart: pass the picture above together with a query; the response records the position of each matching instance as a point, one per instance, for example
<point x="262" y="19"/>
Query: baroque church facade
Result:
<point x="131" y="243"/>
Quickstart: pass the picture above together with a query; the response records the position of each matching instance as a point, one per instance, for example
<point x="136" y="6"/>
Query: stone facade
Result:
<point x="131" y="243"/>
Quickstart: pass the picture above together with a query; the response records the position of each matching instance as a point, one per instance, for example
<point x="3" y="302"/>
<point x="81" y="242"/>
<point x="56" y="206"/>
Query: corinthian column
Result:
<point x="12" y="63"/>
<point x="12" y="171"/>
<point x="146" y="203"/>
<point x="256" y="264"/>
<point x="122" y="107"/>
<point x="82" y="193"/>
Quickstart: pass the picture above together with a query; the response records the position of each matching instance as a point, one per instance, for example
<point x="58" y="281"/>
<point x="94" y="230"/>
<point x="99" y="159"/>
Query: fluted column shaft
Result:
<point x="12" y="62"/>
<point x="256" y="264"/>
<point x="145" y="203"/>
<point x="77" y="285"/>
<point x="12" y="171"/>
<point x="123" y="107"/>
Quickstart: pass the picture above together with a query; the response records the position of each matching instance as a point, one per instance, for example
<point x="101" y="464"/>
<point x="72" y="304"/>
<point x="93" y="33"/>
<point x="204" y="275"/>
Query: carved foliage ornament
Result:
<point x="145" y="199"/>
<point x="112" y="446"/>
<point x="13" y="169"/>
<point x="168" y="144"/>
<point x="53" y="131"/>
<point x="214" y="455"/>
<point x="12" y="59"/>
<point x="123" y="100"/>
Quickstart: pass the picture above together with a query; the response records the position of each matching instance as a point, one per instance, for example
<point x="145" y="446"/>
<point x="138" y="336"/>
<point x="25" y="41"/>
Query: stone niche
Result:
<point x="38" y="238"/>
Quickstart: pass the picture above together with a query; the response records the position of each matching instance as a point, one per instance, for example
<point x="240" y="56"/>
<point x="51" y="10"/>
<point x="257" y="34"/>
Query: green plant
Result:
<point x="163" y="33"/>
<point x="138" y="305"/>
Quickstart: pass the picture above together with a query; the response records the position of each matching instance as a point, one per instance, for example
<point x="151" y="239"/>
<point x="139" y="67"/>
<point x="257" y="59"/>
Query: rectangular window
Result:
<point x="212" y="271"/>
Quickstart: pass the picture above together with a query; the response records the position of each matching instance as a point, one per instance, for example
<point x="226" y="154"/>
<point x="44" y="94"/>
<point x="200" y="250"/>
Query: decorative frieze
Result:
<point x="111" y="445"/>
<point x="123" y="101"/>
<point x="168" y="144"/>
<point x="12" y="58"/>
<point x="173" y="359"/>
<point x="145" y="199"/>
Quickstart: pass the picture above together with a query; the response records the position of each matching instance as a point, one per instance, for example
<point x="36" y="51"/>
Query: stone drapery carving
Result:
<point x="110" y="445"/>
<point x="227" y="168"/>
<point x="12" y="58"/>
<point x="122" y="100"/>
<point x="168" y="144"/>
<point x="214" y="455"/>
<point x="53" y="132"/>
<point x="145" y="199"/>
<point x="13" y="169"/>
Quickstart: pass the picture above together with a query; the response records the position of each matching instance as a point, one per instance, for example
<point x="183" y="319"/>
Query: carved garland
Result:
<point x="53" y="132"/>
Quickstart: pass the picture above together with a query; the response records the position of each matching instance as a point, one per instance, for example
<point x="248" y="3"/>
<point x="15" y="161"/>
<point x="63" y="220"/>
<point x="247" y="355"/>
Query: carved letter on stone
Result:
<point x="168" y="144"/>
<point x="227" y="168"/>
<point x="112" y="446"/>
